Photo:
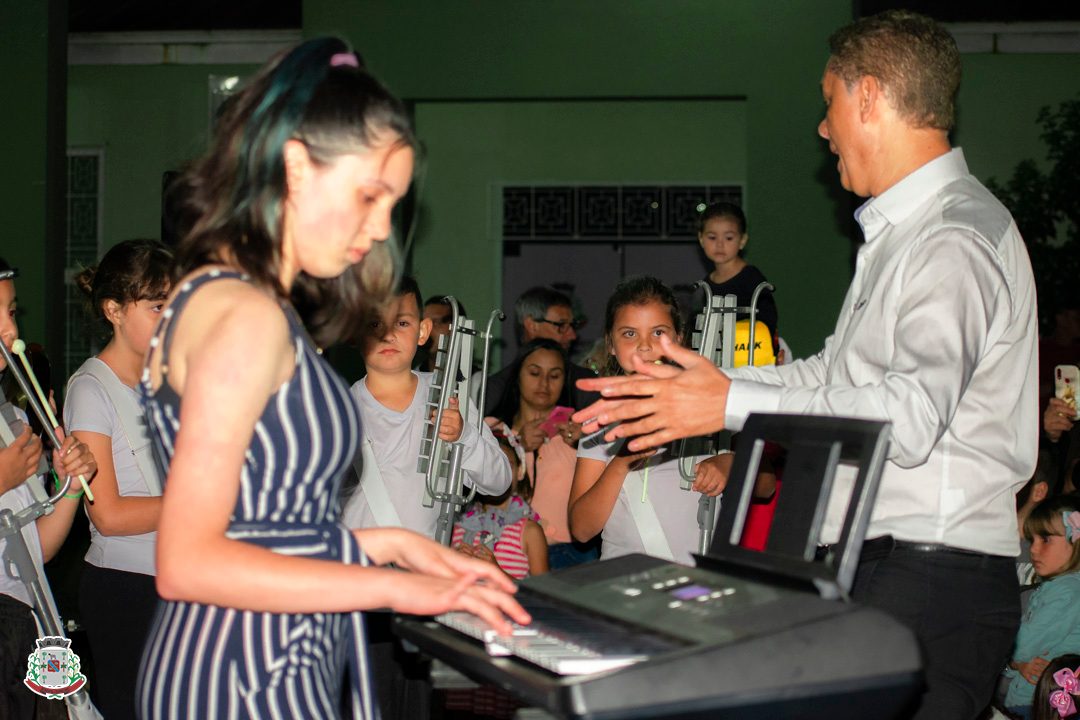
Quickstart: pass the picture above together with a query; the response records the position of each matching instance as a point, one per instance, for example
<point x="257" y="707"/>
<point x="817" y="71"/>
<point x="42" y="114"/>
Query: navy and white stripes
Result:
<point x="207" y="662"/>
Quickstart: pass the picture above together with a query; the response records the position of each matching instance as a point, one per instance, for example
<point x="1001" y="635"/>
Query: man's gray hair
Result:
<point x="534" y="303"/>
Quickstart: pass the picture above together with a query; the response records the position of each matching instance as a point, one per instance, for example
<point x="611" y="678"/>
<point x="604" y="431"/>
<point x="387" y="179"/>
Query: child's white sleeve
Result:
<point x="486" y="467"/>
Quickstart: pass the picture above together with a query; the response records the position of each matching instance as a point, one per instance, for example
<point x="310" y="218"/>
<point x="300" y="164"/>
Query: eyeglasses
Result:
<point x="562" y="326"/>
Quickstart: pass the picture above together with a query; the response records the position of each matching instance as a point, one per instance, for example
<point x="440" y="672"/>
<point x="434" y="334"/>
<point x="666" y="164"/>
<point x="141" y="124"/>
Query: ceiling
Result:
<point x="156" y="15"/>
<point x="150" y="15"/>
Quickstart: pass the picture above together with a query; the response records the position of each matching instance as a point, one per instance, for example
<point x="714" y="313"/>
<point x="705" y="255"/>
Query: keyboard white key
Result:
<point x="558" y="655"/>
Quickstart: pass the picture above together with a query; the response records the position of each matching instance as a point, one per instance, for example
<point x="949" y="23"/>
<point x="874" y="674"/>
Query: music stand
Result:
<point x="817" y="447"/>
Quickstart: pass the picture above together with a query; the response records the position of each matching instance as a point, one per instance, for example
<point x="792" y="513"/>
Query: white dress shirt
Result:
<point x="938" y="335"/>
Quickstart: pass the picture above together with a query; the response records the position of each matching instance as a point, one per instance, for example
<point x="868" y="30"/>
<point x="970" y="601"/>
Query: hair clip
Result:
<point x="344" y="58"/>
<point x="1067" y="680"/>
<point x="1062" y="702"/>
<point x="1071" y="520"/>
<point x="9" y="274"/>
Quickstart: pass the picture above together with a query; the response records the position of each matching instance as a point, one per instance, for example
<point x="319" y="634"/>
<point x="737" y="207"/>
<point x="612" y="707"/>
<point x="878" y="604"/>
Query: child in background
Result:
<point x="392" y="398"/>
<point x="636" y="499"/>
<point x="20" y="488"/>
<point x="722" y="236"/>
<point x="126" y="292"/>
<point x="1034" y="492"/>
<point x="1057" y="691"/>
<point x="1051" y="624"/>
<point x="504" y="530"/>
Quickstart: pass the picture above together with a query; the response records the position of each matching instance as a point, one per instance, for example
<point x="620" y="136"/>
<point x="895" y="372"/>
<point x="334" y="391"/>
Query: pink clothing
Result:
<point x="509" y="552"/>
<point x="554" y="467"/>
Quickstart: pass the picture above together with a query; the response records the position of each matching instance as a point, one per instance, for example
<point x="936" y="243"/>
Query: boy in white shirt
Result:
<point x="392" y="398"/>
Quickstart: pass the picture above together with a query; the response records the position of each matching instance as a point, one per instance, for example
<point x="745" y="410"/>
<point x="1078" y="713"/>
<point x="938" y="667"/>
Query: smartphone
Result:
<point x="558" y="415"/>
<point x="1066" y="379"/>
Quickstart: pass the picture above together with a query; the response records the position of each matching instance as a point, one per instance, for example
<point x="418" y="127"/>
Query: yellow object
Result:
<point x="764" y="354"/>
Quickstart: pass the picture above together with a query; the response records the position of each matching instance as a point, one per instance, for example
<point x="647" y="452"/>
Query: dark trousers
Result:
<point x="400" y="678"/>
<point x="117" y="609"/>
<point x="18" y="637"/>
<point x="963" y="608"/>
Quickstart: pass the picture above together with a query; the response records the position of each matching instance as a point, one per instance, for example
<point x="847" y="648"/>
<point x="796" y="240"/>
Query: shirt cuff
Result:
<point x="470" y="436"/>
<point x="747" y="396"/>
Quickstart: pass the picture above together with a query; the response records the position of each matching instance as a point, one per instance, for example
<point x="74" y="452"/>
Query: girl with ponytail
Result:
<point x="117" y="600"/>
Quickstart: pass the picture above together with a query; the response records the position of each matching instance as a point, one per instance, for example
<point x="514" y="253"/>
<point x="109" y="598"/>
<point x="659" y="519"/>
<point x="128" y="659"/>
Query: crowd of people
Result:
<point x="242" y="552"/>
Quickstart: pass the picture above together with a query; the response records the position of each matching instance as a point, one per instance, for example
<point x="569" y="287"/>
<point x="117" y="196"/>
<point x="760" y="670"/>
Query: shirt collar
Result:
<point x="895" y="204"/>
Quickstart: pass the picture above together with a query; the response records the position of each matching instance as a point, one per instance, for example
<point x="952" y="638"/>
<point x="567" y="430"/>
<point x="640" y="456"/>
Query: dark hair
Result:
<point x="1046" y="518"/>
<point x="534" y="303"/>
<point x="131" y="270"/>
<point x="913" y="57"/>
<point x="1043" y="474"/>
<point x="440" y="300"/>
<point x="510" y="402"/>
<point x="722" y="210"/>
<point x="1047" y="685"/>
<point x="9" y="389"/>
<point x="637" y="290"/>
<point x="408" y="286"/>
<point x="236" y="191"/>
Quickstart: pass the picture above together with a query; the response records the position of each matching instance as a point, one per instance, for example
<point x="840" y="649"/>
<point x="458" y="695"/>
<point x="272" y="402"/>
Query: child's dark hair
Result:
<point x="722" y="210"/>
<point x="409" y="286"/>
<point x="319" y="94"/>
<point x="637" y="290"/>
<point x="508" y="405"/>
<point x="441" y="300"/>
<point x="1041" y="709"/>
<point x="1048" y="519"/>
<point x="131" y="270"/>
<point x="1042" y="475"/>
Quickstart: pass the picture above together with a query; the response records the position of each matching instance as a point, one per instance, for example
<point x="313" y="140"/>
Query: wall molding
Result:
<point x="224" y="47"/>
<point x="195" y="47"/>
<point x="1017" y="38"/>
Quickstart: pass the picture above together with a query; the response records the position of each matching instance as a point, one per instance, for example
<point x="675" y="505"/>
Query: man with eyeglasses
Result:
<point x="543" y="312"/>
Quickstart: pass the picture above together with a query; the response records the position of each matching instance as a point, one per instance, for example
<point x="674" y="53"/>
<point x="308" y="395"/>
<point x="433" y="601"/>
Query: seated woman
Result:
<point x="527" y="410"/>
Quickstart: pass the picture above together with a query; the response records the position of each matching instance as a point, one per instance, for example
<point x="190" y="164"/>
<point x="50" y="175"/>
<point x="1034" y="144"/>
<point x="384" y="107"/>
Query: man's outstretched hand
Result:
<point x="659" y="403"/>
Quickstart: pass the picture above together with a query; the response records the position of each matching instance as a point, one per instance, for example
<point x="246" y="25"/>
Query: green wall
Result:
<point x="768" y="56"/>
<point x="149" y="119"/>
<point x="1000" y="97"/>
<point x="769" y="53"/>
<point x="31" y="174"/>
<point x="476" y="148"/>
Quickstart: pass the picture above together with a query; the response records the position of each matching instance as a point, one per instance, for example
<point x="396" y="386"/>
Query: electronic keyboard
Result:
<point x="743" y="634"/>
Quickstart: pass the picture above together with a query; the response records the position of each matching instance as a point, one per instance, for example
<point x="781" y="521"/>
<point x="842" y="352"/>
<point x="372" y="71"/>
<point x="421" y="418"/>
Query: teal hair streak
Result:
<point x="290" y="87"/>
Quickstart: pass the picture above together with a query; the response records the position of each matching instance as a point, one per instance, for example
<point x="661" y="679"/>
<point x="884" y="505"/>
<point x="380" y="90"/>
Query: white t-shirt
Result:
<point x="395" y="439"/>
<point x="88" y="409"/>
<point x="675" y="508"/>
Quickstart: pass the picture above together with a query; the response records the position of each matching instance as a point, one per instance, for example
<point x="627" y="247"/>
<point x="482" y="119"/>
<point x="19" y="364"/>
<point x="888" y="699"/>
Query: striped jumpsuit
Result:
<point x="204" y="661"/>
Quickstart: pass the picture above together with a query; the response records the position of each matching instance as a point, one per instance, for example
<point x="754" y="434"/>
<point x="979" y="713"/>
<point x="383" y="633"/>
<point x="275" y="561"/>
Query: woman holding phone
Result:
<point x="534" y="412"/>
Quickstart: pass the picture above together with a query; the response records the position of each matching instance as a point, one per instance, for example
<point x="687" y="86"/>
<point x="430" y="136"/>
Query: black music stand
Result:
<point x="817" y="448"/>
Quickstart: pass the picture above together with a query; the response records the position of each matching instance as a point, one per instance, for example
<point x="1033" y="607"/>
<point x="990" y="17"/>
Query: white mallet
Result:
<point x="19" y="348"/>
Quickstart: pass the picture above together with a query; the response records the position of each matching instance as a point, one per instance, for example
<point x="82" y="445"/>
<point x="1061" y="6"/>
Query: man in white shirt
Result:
<point x="937" y="334"/>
